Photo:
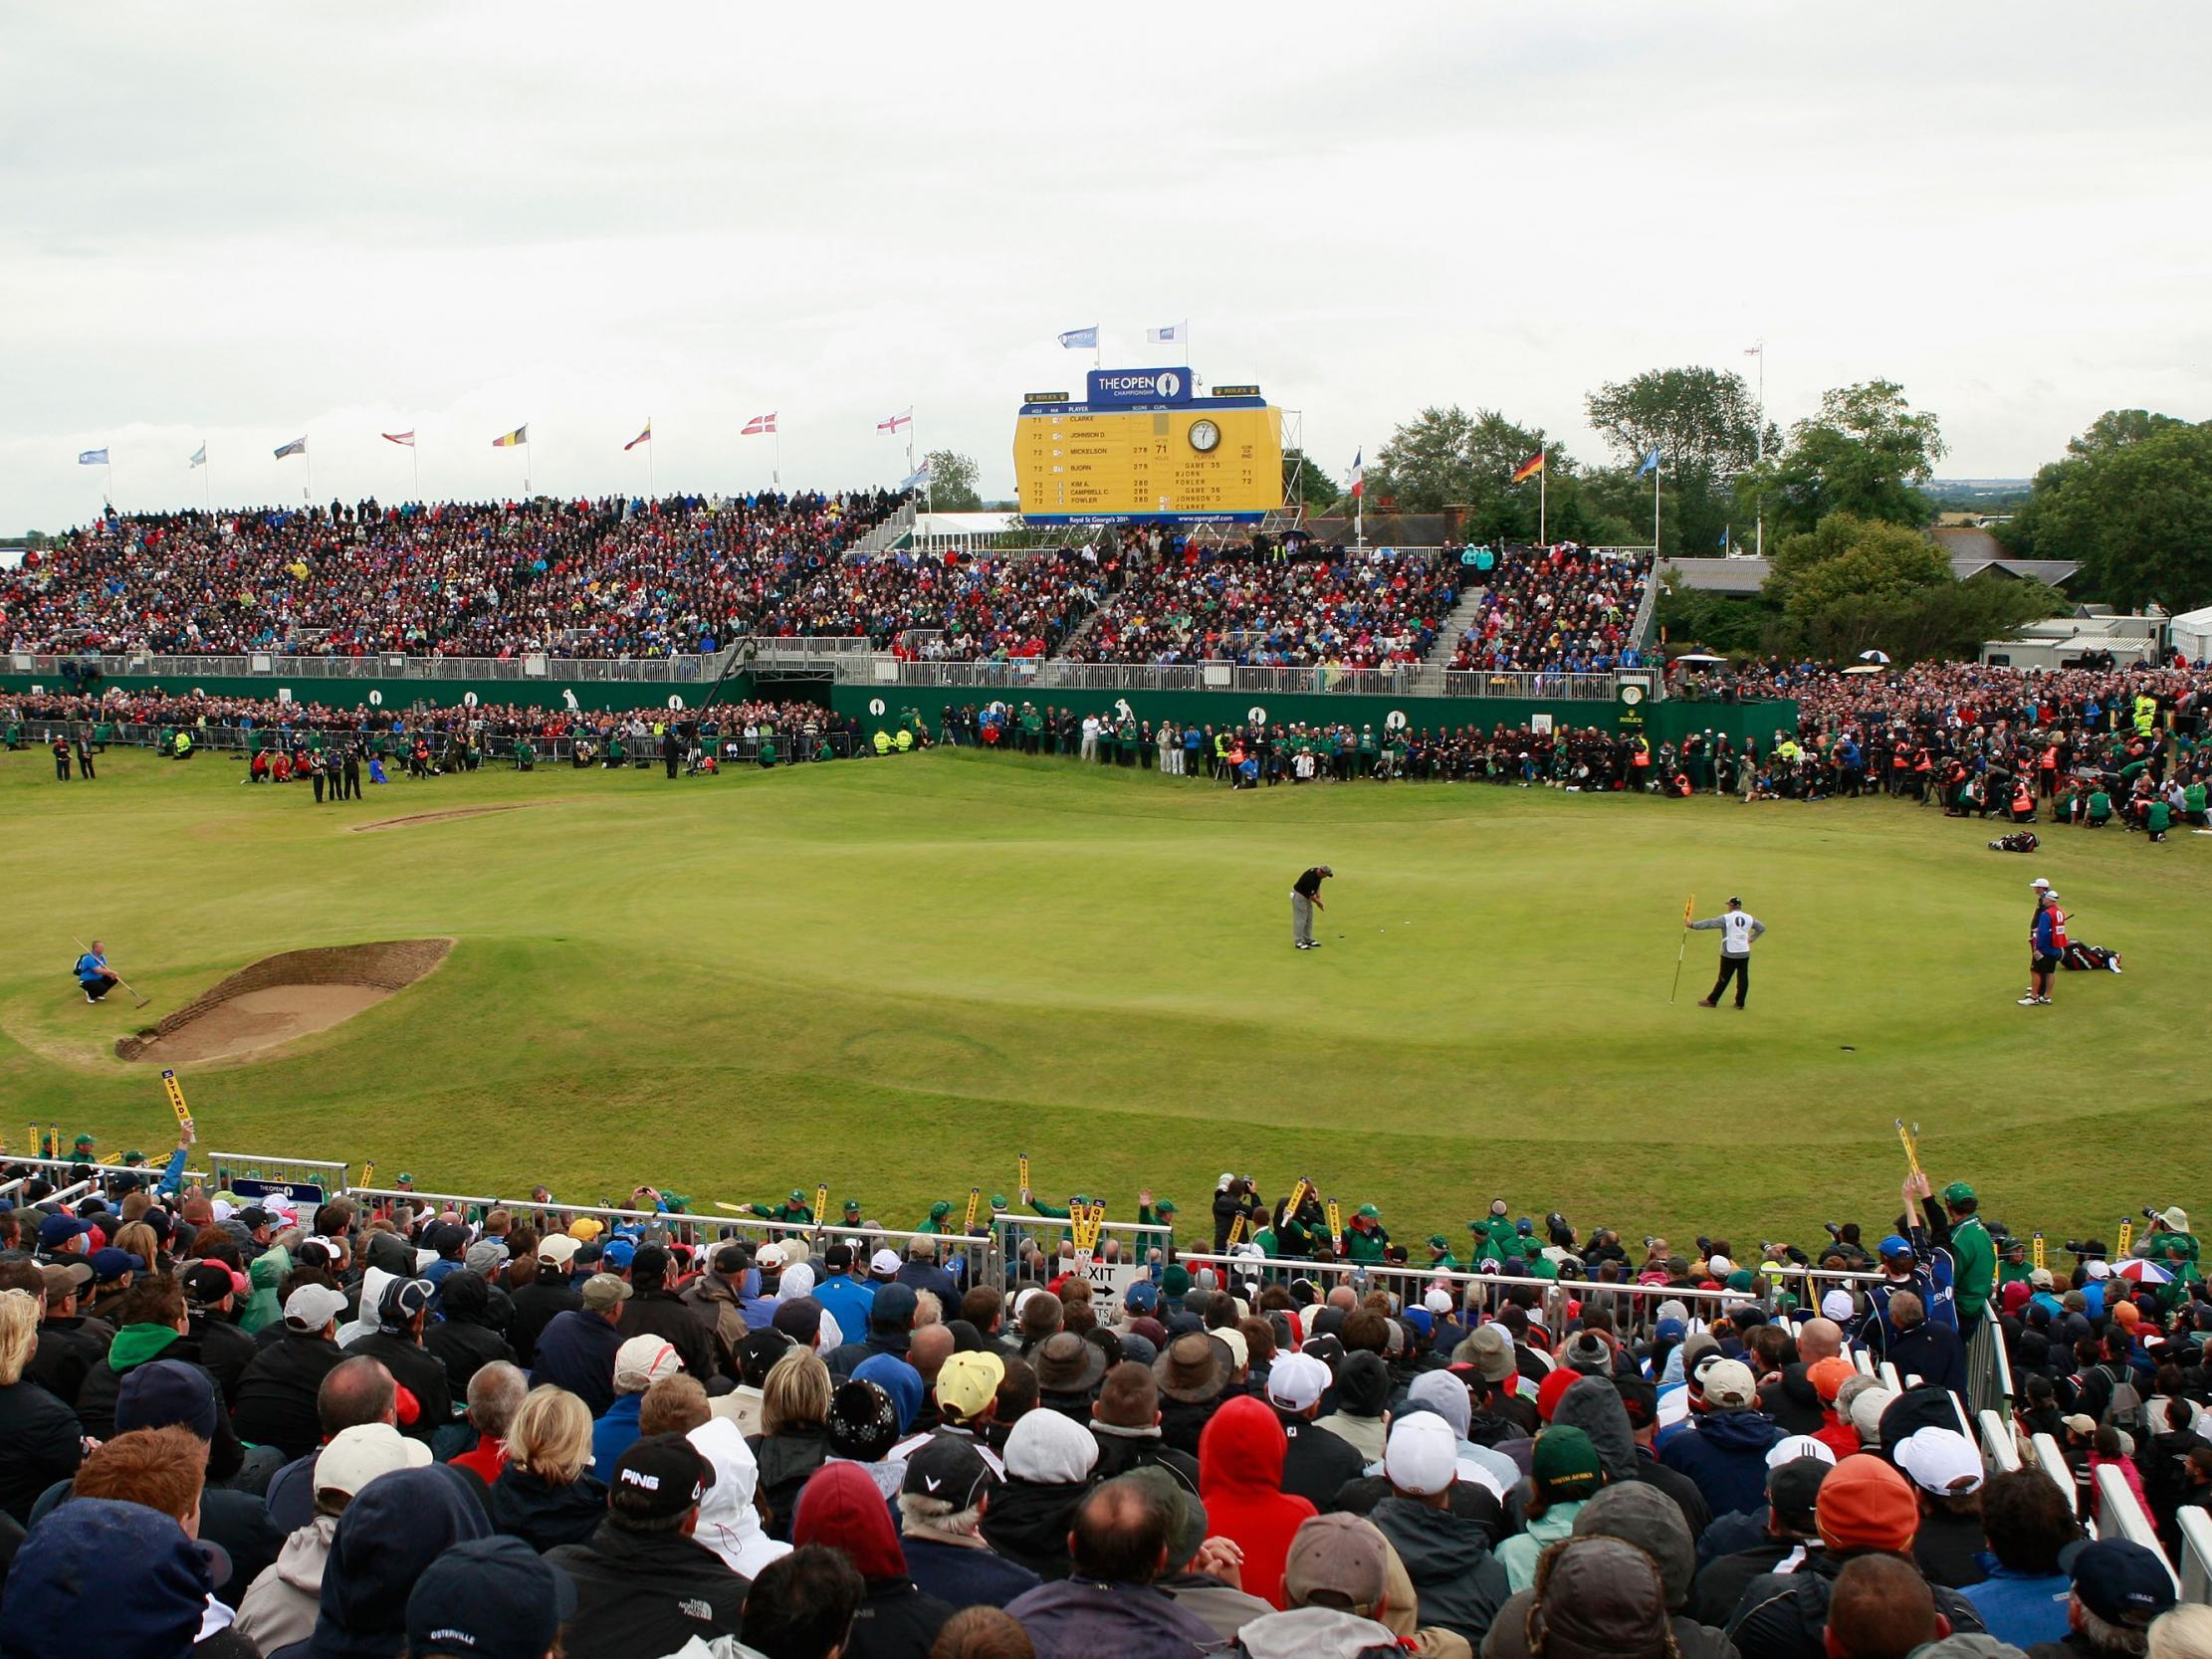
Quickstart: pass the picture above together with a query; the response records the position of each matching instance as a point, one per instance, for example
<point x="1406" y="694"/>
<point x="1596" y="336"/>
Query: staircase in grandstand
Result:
<point x="1462" y="618"/>
<point x="889" y="535"/>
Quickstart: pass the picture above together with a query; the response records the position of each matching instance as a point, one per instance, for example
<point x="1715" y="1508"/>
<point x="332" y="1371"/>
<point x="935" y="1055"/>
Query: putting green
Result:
<point x="895" y="976"/>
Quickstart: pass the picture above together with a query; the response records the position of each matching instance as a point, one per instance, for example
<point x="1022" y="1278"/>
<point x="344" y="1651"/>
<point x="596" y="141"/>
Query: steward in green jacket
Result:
<point x="796" y="1212"/>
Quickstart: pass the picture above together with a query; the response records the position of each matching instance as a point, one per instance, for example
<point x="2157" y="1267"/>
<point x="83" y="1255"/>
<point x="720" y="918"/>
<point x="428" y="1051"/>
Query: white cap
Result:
<point x="2098" y="1268"/>
<point x="1719" y="1266"/>
<point x="1296" y="1383"/>
<point x="1421" y="1456"/>
<point x="1438" y="1301"/>
<point x="1729" y="1383"/>
<point x="358" y="1455"/>
<point x="884" y="1261"/>
<point x="312" y="1307"/>
<point x="1942" y="1461"/>
<point x="1239" y="1351"/>
<point x="769" y="1255"/>
<point x="559" y="1249"/>
<point x="1791" y="1447"/>
<point x="642" y="1361"/>
<point x="2039" y="882"/>
<point x="1836" y="1305"/>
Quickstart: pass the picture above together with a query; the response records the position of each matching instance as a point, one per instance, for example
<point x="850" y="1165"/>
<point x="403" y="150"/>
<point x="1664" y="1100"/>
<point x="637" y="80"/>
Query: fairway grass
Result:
<point x="895" y="976"/>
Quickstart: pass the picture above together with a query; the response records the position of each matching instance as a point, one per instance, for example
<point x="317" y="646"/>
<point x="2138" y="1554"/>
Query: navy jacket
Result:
<point x="576" y="1353"/>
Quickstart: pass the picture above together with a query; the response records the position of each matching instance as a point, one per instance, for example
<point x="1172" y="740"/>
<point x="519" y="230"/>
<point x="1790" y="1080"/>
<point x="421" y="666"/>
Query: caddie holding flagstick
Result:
<point x="1737" y="928"/>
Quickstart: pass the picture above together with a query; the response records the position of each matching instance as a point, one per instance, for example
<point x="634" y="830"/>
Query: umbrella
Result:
<point x="1881" y="657"/>
<point x="1702" y="658"/>
<point x="1865" y="668"/>
<point x="2143" y="1272"/>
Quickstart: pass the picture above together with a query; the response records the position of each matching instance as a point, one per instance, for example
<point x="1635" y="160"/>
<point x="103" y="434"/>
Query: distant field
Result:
<point x="895" y="976"/>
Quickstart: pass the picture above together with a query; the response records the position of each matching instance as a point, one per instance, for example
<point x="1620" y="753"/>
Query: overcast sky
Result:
<point x="247" y="223"/>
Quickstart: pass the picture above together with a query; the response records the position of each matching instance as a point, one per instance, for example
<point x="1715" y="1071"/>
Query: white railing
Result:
<point x="2119" y="1513"/>
<point x="1998" y="1449"/>
<point x="2052" y="1461"/>
<point x="2197" y="1554"/>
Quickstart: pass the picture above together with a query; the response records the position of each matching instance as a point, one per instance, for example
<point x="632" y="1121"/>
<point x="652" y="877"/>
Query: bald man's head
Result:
<point x="1818" y="1340"/>
<point x="354" y="1392"/>
<point x="928" y="1349"/>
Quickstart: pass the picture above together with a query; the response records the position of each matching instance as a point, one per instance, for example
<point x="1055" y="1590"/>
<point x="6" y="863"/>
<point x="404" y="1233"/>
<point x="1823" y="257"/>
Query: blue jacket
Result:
<point x="964" y="1577"/>
<point x="1080" y="1616"/>
<point x="847" y="1301"/>
<point x="1725" y="1452"/>
<point x="577" y="1351"/>
<point x="614" y="1434"/>
<point x="2017" y="1607"/>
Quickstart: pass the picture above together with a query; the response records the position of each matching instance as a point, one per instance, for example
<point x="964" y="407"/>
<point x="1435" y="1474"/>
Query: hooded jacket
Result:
<point x="643" y="1595"/>
<point x="1122" y="1449"/>
<point x="843" y="1507"/>
<point x="276" y="1404"/>
<point x="545" y="1515"/>
<point x="1603" y="1601"/>
<point x="466" y="1339"/>
<point x="1048" y="1470"/>
<point x="1725" y="1452"/>
<point x="1316" y="1633"/>
<point x="134" y="1346"/>
<point x="728" y="1521"/>
<point x="1087" y="1620"/>
<point x="1241" y="1459"/>
<point x="576" y="1351"/>
<point x="280" y="1606"/>
<point x="1594" y="1406"/>
<point x="785" y="1461"/>
<point x="1458" y="1582"/>
<point x="398" y="1525"/>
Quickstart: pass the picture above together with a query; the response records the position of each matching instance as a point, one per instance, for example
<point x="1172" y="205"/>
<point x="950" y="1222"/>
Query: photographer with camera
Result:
<point x="2172" y="1245"/>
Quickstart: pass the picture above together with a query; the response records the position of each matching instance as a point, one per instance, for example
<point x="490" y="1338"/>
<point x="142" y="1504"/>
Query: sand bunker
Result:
<point x="282" y="998"/>
<point x="435" y="817"/>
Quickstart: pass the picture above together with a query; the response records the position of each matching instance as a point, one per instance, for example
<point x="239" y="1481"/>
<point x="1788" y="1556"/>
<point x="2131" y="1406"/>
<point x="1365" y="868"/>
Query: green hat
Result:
<point x="1564" y="1466"/>
<point x="404" y="1178"/>
<point x="798" y="1196"/>
<point x="83" y="1141"/>
<point x="1740" y="1280"/>
<point x="1437" y="1241"/>
<point x="1958" y="1192"/>
<point x="940" y="1210"/>
<point x="1370" y="1212"/>
<point x="675" y="1201"/>
<point x="853" y="1205"/>
<point x="135" y="1157"/>
<point x="1165" y="1206"/>
<point x="1176" y="1279"/>
<point x="997" y="1200"/>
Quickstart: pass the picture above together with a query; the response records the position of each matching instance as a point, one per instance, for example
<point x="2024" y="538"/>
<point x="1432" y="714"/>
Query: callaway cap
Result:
<point x="948" y="1467"/>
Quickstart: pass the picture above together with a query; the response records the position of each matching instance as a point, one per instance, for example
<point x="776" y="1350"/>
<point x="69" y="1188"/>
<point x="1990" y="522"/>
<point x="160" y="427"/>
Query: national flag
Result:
<point x="916" y="477"/>
<point x="1529" y="468"/>
<point x="758" y="425"/>
<point x="895" y="422"/>
<point x="199" y="457"/>
<point x="406" y="439"/>
<point x="1724" y="540"/>
<point x="1169" y="335"/>
<point x="1359" y="474"/>
<point x="1651" y="462"/>
<point x="298" y="446"/>
<point x="644" y="436"/>
<point x="91" y="458"/>
<point x="521" y="435"/>
<point x="1081" y="339"/>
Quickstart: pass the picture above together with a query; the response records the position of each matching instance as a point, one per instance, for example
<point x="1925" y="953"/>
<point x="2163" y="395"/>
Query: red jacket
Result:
<point x="1240" y="1455"/>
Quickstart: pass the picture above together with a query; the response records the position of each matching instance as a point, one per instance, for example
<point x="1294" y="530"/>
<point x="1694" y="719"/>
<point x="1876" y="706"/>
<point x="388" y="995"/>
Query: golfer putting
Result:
<point x="1737" y="928"/>
<point x="1305" y="898"/>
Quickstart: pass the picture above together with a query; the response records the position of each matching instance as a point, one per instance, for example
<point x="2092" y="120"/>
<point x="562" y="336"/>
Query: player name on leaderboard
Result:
<point x="1144" y="445"/>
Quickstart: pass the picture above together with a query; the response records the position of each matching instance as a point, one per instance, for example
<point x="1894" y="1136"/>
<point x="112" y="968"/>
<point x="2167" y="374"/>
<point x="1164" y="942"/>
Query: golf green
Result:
<point x="893" y="975"/>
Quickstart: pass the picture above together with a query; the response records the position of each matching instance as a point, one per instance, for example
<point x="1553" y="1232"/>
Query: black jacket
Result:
<point x="1316" y="1465"/>
<point x="786" y="1461"/>
<point x="1458" y="1582"/>
<point x="675" y="1322"/>
<point x="276" y="1394"/>
<point x="964" y="1577"/>
<point x="96" y="1408"/>
<point x="544" y="1515"/>
<point x="1027" y="1521"/>
<point x="1721" y="1582"/>
<point x="1787" y="1617"/>
<point x="416" y="1369"/>
<point x="41" y="1442"/>
<point x="896" y="1621"/>
<point x="221" y="1350"/>
<point x="1120" y="1453"/>
<point x="1183" y="1421"/>
<point x="68" y="1348"/>
<point x="1948" y="1548"/>
<point x="463" y="1349"/>
<point x="536" y="1305"/>
<point x="643" y="1595"/>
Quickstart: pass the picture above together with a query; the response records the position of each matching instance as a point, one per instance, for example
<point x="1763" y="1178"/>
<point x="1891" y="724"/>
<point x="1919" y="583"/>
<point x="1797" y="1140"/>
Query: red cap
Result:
<point x="1553" y="1389"/>
<point x="1867" y="1505"/>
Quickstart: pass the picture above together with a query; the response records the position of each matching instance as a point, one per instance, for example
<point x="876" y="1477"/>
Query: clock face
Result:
<point x="1631" y="695"/>
<point x="1204" y="436"/>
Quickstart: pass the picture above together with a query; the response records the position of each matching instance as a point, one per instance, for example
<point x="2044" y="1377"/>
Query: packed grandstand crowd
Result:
<point x="1556" y="609"/>
<point x="281" y="1421"/>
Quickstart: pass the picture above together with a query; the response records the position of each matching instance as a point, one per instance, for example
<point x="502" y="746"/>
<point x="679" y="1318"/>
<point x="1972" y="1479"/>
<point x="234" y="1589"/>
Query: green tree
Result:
<point x="2131" y="502"/>
<point x="1865" y="453"/>
<point x="1705" y="426"/>
<point x="1854" y="584"/>
<point x="1449" y="457"/>
<point x="1305" y="482"/>
<point x="952" y="481"/>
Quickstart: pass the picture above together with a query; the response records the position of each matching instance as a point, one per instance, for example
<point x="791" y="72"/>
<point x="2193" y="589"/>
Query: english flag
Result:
<point x="895" y="422"/>
<point x="758" y="425"/>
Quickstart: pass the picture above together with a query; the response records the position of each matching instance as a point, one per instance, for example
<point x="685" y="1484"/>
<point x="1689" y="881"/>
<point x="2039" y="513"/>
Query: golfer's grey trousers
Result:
<point x="1301" y="919"/>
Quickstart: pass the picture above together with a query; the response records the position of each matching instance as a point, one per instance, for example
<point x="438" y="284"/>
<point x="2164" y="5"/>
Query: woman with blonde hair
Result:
<point x="795" y="1433"/>
<point x="41" y="1441"/>
<point x="545" y="1495"/>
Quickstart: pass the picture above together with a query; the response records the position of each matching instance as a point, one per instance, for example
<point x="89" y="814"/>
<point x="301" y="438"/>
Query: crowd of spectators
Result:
<point x="255" y="1424"/>
<point x="1562" y="609"/>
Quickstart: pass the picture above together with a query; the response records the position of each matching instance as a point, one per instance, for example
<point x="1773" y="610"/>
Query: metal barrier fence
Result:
<point x="322" y="1174"/>
<point x="2195" y="1569"/>
<point x="2052" y="1461"/>
<point x="493" y="749"/>
<point x="2117" y="1514"/>
<point x="61" y="1166"/>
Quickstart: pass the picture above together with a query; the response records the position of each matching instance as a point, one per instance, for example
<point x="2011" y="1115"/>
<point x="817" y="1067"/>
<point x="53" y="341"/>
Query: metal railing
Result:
<point x="1998" y="1448"/>
<point x="326" y="1176"/>
<point x="2119" y="1513"/>
<point x="2197" y="1554"/>
<point x="149" y="1171"/>
<point x="2051" y="1459"/>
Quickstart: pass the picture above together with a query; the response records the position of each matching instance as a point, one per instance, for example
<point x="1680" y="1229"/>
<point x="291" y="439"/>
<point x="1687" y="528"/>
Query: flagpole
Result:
<point x="1657" y="467"/>
<point x="649" y="491"/>
<point x="414" y="448"/>
<point x="776" y="469"/>
<point x="207" y="481"/>
<point x="1543" y="482"/>
<point x="307" y="478"/>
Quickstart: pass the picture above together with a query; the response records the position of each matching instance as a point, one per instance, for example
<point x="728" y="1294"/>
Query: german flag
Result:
<point x="1529" y="468"/>
<point x="521" y="435"/>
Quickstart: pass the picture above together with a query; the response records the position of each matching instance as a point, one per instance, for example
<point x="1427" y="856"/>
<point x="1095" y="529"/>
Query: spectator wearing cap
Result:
<point x="639" y="1363"/>
<point x="278" y="1604"/>
<point x="2118" y="1589"/>
<point x="449" y="1242"/>
<point x="1118" y="1543"/>
<point x="2029" y="1525"/>
<point x="729" y="1519"/>
<point x="759" y="1288"/>
<point x="1048" y="1461"/>
<point x="1192" y="1373"/>
<point x="542" y="1294"/>
<point x="392" y="1530"/>
<point x="644" y="1585"/>
<point x="921" y="1271"/>
<point x="1068" y="1371"/>
<point x="62" y="1236"/>
<point x="576" y="1349"/>
<point x="278" y="1392"/>
<point x="890" y="1328"/>
<point x="966" y="1397"/>
<point x="795" y="1433"/>
<point x="1563" y="1473"/>
<point x="402" y="1312"/>
<point x="1790" y="1535"/>
<point x="1336" y="1580"/>
<point x="844" y="1297"/>
<point x="1723" y="1447"/>
<point x="213" y="1337"/>
<point x="467" y="1336"/>
<point x="1240" y="1464"/>
<point x="714" y="1297"/>
<point x="1457" y="1583"/>
<point x="947" y="1489"/>
<point x="1945" y="1469"/>
<point x="1923" y="1348"/>
<point x="69" y="1342"/>
<point x="756" y="1352"/>
<point x="656" y="1310"/>
<point x="488" y="1598"/>
<point x="1864" y="1506"/>
<point x="546" y="1495"/>
<point x="496" y="1393"/>
<point x="1125" y="1421"/>
<point x="354" y="1392"/>
<point x="842" y="1509"/>
<point x="54" y="1605"/>
<point x="41" y="1441"/>
<point x="1316" y="1464"/>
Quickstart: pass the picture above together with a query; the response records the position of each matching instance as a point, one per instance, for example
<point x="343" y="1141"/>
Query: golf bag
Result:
<point x="2020" y="841"/>
<point x="2086" y="957"/>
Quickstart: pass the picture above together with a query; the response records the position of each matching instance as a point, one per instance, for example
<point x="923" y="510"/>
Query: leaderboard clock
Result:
<point x="1144" y="445"/>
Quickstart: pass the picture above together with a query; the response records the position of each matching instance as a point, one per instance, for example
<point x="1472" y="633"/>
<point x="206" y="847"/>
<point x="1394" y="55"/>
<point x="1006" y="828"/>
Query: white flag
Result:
<point x="199" y="457"/>
<point x="1164" y="337"/>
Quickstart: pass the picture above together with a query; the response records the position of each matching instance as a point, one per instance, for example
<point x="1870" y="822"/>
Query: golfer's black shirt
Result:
<point x="1308" y="885"/>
